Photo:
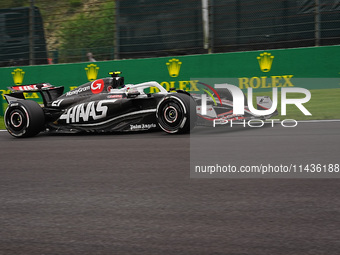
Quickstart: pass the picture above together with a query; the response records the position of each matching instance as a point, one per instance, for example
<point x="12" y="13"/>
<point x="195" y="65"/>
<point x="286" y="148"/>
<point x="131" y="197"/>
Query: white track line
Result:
<point x="306" y="121"/>
<point x="302" y="121"/>
<point x="299" y="121"/>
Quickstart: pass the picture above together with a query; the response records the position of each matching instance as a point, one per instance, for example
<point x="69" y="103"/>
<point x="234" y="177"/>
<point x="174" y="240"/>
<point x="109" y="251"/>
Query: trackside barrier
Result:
<point x="260" y="70"/>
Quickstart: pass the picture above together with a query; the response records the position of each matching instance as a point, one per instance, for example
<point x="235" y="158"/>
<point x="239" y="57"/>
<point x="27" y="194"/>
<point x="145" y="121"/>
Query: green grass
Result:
<point x="2" y="124"/>
<point x="324" y="105"/>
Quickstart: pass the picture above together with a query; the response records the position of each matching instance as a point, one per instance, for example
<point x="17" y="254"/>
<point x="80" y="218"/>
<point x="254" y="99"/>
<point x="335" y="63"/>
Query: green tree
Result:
<point x="89" y="31"/>
<point x="13" y="3"/>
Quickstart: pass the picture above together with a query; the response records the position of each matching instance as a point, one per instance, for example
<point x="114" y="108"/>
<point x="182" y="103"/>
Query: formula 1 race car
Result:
<point x="109" y="105"/>
<point x="104" y="105"/>
<point x="221" y="106"/>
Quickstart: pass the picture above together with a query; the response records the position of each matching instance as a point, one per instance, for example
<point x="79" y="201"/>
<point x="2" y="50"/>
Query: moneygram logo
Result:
<point x="97" y="86"/>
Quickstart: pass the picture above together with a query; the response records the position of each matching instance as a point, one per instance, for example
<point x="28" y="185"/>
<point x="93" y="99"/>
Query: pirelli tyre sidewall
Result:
<point x="176" y="113"/>
<point x="24" y="118"/>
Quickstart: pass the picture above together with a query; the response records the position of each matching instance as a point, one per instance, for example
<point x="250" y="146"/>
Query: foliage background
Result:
<point x="74" y="27"/>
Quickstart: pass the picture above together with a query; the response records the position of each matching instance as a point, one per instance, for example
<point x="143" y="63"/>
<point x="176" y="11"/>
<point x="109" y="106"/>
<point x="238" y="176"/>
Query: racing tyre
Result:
<point x="176" y="113"/>
<point x="24" y="118"/>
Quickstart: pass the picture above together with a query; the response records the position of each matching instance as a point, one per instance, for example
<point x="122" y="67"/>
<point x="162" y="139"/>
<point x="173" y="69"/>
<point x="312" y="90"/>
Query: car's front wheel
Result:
<point x="176" y="113"/>
<point x="24" y="118"/>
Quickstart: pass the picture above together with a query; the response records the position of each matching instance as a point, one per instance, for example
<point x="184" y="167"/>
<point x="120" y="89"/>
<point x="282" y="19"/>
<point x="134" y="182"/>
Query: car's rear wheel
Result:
<point x="176" y="113"/>
<point x="24" y="118"/>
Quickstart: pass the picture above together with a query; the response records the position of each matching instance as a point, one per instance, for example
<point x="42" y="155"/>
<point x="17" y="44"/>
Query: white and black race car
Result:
<point x="110" y="105"/>
<point x="104" y="105"/>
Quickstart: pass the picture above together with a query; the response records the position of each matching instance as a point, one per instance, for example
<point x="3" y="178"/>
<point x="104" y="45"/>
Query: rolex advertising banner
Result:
<point x="259" y="70"/>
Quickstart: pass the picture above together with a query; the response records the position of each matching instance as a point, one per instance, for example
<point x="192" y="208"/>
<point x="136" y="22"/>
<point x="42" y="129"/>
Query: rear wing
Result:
<point x="30" y="88"/>
<point x="48" y="92"/>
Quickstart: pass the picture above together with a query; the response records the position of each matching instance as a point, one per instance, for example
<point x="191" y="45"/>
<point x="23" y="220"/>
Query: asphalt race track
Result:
<point x="132" y="194"/>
